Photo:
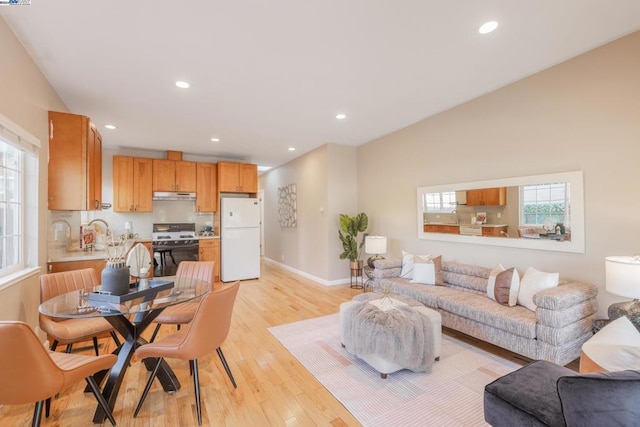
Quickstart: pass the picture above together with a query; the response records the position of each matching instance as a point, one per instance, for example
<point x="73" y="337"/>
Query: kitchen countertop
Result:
<point x="63" y="255"/>
<point x="467" y="224"/>
<point x="208" y="237"/>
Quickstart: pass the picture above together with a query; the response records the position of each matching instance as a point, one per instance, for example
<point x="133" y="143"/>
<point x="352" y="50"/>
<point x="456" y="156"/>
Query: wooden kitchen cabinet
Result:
<point x="206" y="188"/>
<point x="57" y="267"/>
<point x="172" y="175"/>
<point x="209" y="250"/>
<point x="487" y="197"/>
<point x="75" y="163"/>
<point x="237" y="177"/>
<point x="495" y="231"/>
<point x="132" y="184"/>
<point x="441" y="228"/>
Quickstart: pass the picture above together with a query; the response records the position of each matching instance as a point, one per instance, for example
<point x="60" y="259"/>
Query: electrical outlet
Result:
<point x="499" y="214"/>
<point x="282" y="257"/>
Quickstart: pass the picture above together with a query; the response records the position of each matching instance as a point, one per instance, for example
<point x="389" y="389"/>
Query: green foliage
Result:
<point x="350" y="226"/>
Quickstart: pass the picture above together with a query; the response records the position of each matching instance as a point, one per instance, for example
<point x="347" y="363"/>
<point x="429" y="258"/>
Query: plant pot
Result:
<point x="356" y="265"/>
<point x="115" y="278"/>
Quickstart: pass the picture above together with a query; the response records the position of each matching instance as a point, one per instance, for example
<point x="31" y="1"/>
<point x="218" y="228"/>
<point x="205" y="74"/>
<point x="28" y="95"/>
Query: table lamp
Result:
<point x="375" y="245"/>
<point x="623" y="278"/>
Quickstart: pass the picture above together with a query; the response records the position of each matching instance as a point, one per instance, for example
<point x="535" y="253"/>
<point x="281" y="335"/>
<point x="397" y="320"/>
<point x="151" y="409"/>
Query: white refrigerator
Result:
<point x="239" y="239"/>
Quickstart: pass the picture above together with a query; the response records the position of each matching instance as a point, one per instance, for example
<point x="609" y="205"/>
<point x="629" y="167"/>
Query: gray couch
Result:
<point x="544" y="394"/>
<point x="555" y="332"/>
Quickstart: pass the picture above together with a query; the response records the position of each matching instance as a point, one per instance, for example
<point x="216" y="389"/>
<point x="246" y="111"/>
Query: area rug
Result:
<point x="450" y="395"/>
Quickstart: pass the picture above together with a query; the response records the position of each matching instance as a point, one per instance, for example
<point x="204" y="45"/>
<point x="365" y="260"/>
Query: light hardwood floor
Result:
<point x="273" y="388"/>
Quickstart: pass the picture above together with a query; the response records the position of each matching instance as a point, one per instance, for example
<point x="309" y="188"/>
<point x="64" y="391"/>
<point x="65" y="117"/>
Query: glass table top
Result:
<point x="69" y="305"/>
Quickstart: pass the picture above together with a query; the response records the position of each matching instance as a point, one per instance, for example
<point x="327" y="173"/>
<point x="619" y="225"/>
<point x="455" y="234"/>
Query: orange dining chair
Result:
<point x="70" y="331"/>
<point x="30" y="373"/>
<point x="183" y="313"/>
<point x="206" y="332"/>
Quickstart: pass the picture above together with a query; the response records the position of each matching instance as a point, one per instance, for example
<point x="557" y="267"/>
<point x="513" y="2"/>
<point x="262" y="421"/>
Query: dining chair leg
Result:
<point x="68" y="349"/>
<point x="47" y="407"/>
<point x="155" y="332"/>
<point x="148" y="386"/>
<point x="54" y="345"/>
<point x="115" y="339"/>
<point x="196" y="387"/>
<point x="100" y="398"/>
<point x="95" y="345"/>
<point x="37" y="414"/>
<point x="226" y="366"/>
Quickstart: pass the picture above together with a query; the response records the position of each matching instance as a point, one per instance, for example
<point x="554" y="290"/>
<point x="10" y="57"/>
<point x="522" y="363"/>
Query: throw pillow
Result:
<point x="533" y="282"/>
<point x="408" y="265"/>
<point x="503" y="285"/>
<point x="424" y="270"/>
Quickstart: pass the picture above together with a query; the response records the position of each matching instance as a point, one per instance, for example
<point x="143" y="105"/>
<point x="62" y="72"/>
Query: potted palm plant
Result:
<point x="350" y="227"/>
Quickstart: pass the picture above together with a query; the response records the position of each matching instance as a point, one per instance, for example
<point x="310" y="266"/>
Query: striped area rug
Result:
<point x="450" y="395"/>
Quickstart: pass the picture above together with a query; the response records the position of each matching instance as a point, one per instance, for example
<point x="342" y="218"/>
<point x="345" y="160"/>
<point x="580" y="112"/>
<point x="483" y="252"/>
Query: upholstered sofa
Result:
<point x="555" y="331"/>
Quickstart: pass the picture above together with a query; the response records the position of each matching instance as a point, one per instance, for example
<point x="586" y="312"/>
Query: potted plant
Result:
<point x="350" y="227"/>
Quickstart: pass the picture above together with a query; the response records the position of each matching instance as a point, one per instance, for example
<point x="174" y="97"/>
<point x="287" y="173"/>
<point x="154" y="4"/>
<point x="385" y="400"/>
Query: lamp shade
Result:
<point x="375" y="245"/>
<point x="623" y="275"/>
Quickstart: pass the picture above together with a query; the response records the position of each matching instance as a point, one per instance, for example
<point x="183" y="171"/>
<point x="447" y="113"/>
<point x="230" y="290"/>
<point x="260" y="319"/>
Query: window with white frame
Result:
<point x="18" y="198"/>
<point x="545" y="204"/>
<point x="439" y="202"/>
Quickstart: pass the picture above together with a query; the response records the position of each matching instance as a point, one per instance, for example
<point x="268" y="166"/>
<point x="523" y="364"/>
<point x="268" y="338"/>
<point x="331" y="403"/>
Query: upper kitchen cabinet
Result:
<point x="132" y="184"/>
<point x="237" y="177"/>
<point x="172" y="175"/>
<point x="206" y="189"/>
<point x="75" y="163"/>
<point x="487" y="197"/>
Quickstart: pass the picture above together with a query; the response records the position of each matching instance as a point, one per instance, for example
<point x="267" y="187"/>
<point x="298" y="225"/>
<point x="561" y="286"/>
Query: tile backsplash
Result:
<point x="163" y="211"/>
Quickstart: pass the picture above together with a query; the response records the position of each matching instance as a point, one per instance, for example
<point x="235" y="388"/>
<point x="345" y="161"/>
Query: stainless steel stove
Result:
<point x="178" y="241"/>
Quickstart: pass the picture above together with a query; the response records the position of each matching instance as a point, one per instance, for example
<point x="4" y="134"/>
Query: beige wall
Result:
<point x="583" y="114"/>
<point x="326" y="186"/>
<point x="25" y="98"/>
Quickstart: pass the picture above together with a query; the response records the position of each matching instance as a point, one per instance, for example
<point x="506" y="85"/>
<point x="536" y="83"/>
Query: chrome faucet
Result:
<point x="455" y="216"/>
<point x="106" y="232"/>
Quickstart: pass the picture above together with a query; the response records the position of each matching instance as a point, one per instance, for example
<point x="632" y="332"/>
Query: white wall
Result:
<point x="25" y="98"/>
<point x="326" y="186"/>
<point x="583" y="114"/>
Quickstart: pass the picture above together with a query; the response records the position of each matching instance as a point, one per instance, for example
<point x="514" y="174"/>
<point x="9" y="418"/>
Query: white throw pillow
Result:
<point x="503" y="285"/>
<point x="533" y="282"/>
<point x="424" y="270"/>
<point x="407" y="265"/>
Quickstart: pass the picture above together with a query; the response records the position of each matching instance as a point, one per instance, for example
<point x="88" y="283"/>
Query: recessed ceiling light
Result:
<point x="292" y="148"/>
<point x="487" y="27"/>
<point x="182" y="85"/>
<point x="112" y="127"/>
<point x="341" y="116"/>
<point x="215" y="139"/>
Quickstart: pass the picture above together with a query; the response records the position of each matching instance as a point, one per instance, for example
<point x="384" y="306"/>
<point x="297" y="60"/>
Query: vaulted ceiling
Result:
<point x="266" y="76"/>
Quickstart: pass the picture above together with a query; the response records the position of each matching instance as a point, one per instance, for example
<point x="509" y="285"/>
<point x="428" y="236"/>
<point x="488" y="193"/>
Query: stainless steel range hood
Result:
<point x="171" y="195"/>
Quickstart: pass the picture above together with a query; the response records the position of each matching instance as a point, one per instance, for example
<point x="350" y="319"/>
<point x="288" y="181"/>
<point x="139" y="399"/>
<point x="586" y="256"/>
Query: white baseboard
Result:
<point x="309" y="276"/>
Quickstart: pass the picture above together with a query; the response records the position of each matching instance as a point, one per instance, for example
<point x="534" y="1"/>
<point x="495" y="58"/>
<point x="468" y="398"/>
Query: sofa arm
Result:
<point x="388" y="267"/>
<point x="565" y="296"/>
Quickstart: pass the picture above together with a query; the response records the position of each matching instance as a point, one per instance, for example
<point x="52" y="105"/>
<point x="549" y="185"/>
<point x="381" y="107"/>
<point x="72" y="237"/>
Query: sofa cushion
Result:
<point x="527" y="396"/>
<point x="533" y="282"/>
<point x="427" y="295"/>
<point x="603" y="399"/>
<point x="503" y="285"/>
<point x="516" y="320"/>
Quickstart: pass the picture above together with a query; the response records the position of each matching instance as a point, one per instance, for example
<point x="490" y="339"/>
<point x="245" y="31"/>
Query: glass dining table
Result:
<point x="130" y="315"/>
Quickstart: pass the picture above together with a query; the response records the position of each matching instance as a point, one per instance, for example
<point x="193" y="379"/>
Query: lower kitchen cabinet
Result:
<point x="209" y="250"/>
<point x="495" y="231"/>
<point x="441" y="228"/>
<point x="57" y="267"/>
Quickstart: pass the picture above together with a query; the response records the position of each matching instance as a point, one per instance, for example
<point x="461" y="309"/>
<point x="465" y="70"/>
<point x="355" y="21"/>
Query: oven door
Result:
<point x="166" y="258"/>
